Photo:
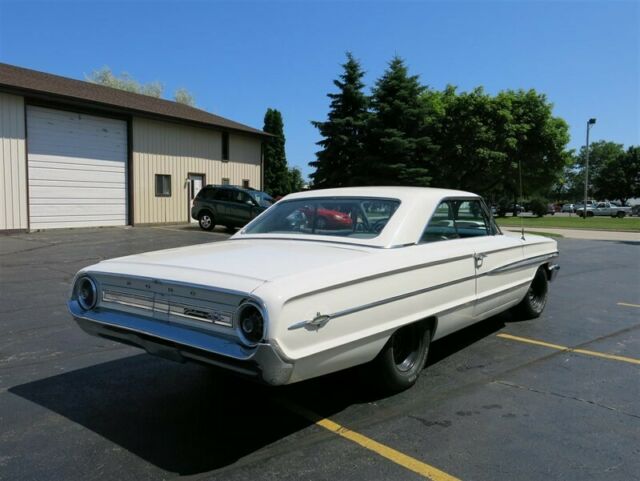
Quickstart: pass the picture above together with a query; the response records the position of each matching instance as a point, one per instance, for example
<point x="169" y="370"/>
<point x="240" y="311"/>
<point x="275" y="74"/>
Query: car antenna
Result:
<point x="521" y="201"/>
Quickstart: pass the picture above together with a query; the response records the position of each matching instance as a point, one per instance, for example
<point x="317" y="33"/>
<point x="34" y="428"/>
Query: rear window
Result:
<point x="355" y="217"/>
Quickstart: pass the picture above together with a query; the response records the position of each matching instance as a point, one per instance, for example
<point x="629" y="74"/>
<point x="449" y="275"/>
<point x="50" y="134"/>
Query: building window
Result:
<point x="245" y="183"/>
<point x="163" y="185"/>
<point x="225" y="181"/>
<point x="225" y="145"/>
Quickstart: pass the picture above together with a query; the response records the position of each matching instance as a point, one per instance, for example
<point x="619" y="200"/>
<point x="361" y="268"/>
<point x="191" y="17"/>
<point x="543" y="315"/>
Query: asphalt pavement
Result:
<point x="553" y="398"/>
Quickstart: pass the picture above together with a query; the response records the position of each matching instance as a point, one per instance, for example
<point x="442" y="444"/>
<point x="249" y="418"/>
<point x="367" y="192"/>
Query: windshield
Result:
<point x="357" y="217"/>
<point x="262" y="198"/>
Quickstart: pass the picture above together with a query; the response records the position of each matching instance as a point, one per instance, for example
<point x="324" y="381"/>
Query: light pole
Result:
<point x="590" y="123"/>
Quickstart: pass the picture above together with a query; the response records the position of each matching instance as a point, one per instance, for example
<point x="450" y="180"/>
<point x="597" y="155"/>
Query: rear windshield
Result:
<point x="356" y="217"/>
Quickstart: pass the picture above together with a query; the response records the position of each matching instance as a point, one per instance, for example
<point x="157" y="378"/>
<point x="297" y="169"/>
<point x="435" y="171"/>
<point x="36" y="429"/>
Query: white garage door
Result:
<point x="77" y="169"/>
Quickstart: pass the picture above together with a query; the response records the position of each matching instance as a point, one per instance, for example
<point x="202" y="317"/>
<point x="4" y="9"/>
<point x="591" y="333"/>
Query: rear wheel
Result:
<point x="205" y="219"/>
<point x="403" y="357"/>
<point x="536" y="298"/>
<point x="620" y="215"/>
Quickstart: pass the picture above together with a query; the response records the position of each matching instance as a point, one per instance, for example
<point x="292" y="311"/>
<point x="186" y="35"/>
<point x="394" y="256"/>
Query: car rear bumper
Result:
<point x="179" y="343"/>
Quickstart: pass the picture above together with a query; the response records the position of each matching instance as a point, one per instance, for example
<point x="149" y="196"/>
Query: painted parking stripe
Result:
<point x="603" y="355"/>
<point x="626" y="304"/>
<point x="412" y="464"/>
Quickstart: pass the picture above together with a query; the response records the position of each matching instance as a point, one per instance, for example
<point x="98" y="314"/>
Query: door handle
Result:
<point x="479" y="258"/>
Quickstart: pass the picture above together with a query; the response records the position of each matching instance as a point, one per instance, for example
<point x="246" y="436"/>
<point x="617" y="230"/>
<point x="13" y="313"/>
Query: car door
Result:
<point x="454" y="279"/>
<point x="497" y="285"/>
<point x="221" y="205"/>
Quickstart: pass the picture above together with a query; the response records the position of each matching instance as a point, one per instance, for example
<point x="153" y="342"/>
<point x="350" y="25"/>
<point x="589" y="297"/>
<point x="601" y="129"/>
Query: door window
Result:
<point x="458" y="219"/>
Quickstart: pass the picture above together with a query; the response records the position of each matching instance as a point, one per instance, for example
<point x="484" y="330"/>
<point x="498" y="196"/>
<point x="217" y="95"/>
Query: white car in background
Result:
<point x="289" y="298"/>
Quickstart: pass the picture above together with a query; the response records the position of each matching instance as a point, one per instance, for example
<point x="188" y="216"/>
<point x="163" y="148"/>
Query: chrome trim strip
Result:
<point x="321" y="241"/>
<point x="321" y="320"/>
<point x="521" y="264"/>
<point x="170" y="283"/>
<point x="383" y="274"/>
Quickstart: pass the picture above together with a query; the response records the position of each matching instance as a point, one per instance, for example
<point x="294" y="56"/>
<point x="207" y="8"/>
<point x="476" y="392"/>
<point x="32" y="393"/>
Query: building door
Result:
<point x="77" y="169"/>
<point x="195" y="182"/>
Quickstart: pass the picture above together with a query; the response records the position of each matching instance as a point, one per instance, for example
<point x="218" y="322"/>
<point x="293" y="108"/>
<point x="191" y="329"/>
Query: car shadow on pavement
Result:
<point x="190" y="419"/>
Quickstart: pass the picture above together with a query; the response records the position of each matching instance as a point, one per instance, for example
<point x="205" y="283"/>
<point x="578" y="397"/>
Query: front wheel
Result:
<point x="403" y="357"/>
<point x="536" y="298"/>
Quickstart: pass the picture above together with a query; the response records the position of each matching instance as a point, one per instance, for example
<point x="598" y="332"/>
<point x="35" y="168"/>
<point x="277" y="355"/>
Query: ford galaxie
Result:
<point x="289" y="297"/>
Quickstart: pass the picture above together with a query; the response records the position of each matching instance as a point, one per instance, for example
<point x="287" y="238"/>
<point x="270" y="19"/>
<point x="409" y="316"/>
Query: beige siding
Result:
<point x="13" y="164"/>
<point x="177" y="150"/>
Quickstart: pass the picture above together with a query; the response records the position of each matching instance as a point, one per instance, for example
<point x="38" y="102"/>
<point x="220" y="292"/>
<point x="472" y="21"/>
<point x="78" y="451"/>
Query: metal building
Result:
<point x="77" y="154"/>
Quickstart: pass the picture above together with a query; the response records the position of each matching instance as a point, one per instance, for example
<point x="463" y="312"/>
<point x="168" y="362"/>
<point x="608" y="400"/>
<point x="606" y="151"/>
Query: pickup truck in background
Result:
<point x="604" y="209"/>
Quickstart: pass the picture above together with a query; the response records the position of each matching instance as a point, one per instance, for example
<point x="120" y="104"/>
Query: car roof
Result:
<point x="389" y="192"/>
<point x="404" y="227"/>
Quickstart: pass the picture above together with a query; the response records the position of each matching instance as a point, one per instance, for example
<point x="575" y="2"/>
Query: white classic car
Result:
<point x="323" y="281"/>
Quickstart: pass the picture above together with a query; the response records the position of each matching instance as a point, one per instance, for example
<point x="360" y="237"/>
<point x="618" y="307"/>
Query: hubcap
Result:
<point x="406" y="348"/>
<point x="205" y="221"/>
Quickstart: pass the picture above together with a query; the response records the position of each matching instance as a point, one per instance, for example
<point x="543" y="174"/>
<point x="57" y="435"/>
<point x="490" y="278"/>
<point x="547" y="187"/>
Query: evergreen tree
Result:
<point x="343" y="148"/>
<point x="276" y="172"/>
<point x="400" y="149"/>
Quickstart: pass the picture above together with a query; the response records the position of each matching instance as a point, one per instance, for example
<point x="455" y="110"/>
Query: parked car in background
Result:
<point x="283" y="301"/>
<point x="571" y="208"/>
<point x="228" y="205"/>
<point x="605" y="209"/>
<point x="551" y="209"/>
<point x="635" y="210"/>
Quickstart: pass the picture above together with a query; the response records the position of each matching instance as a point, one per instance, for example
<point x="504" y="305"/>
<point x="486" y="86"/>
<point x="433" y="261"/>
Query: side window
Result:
<point x="470" y="219"/>
<point x="222" y="194"/>
<point x="205" y="193"/>
<point x="441" y="226"/>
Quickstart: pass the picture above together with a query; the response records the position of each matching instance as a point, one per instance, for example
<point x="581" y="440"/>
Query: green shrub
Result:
<point x="538" y="206"/>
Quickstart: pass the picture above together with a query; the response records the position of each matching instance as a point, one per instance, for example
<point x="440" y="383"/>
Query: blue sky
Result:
<point x="239" y="58"/>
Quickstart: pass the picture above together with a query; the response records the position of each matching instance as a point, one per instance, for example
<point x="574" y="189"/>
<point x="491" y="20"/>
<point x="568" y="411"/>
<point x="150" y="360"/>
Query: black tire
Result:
<point x="403" y="357"/>
<point x="206" y="220"/>
<point x="620" y="215"/>
<point x="535" y="299"/>
<point x="589" y="214"/>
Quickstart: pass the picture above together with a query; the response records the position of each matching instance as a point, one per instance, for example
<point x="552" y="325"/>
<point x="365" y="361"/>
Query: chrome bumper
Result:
<point x="553" y="271"/>
<point x="181" y="344"/>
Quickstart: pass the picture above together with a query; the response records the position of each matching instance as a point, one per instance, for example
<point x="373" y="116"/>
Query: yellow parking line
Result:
<point x="391" y="454"/>
<point x="626" y="304"/>
<point x="612" y="357"/>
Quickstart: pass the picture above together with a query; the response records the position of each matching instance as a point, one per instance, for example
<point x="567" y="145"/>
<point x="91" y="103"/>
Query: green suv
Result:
<point x="228" y="205"/>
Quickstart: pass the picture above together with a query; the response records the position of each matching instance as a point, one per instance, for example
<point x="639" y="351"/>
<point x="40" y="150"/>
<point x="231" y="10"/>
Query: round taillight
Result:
<point x="251" y="324"/>
<point x="86" y="293"/>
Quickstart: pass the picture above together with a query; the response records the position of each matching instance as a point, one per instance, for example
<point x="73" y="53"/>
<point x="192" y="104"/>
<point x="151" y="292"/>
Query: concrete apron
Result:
<point x="583" y="233"/>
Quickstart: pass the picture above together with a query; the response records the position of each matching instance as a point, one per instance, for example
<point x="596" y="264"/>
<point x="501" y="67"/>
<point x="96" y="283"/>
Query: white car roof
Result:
<point x="394" y="192"/>
<point x="405" y="226"/>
